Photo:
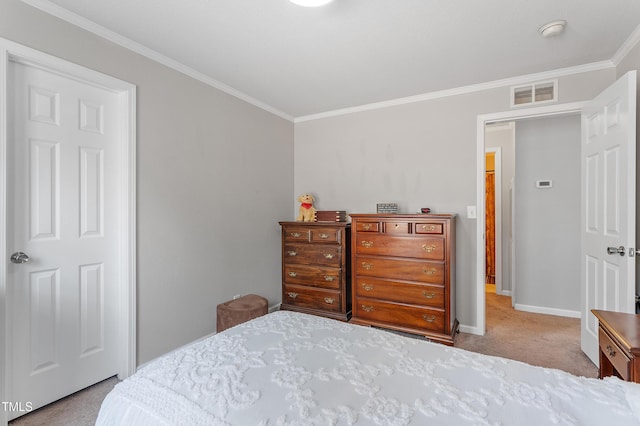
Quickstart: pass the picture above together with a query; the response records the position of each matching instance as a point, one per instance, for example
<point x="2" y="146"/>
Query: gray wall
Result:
<point x="547" y="221"/>
<point x="215" y="174"/>
<point x="419" y="155"/>
<point x="632" y="62"/>
<point x="502" y="136"/>
<point x="206" y="160"/>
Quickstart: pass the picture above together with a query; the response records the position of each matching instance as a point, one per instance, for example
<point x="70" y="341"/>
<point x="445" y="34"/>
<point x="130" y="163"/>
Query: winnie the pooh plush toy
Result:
<point x="306" y="213"/>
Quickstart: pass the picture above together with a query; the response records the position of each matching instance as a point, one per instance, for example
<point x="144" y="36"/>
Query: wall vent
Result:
<point x="535" y="93"/>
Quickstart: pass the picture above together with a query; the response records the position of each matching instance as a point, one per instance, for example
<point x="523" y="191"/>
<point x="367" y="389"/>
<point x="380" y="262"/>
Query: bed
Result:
<point x="288" y="368"/>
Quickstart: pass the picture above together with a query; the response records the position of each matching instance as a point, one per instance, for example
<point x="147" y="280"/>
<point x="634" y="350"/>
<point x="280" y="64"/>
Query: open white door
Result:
<point x="608" y="206"/>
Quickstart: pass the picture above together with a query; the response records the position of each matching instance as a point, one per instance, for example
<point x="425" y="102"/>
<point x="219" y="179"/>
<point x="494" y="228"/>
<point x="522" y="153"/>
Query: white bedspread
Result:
<point x="288" y="368"/>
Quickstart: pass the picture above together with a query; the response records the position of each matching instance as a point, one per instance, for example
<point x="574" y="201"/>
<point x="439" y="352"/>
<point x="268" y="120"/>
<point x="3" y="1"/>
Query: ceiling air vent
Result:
<point x="535" y="93"/>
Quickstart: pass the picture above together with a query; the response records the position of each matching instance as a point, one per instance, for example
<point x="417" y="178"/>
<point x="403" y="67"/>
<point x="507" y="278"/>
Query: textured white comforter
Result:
<point x="288" y="368"/>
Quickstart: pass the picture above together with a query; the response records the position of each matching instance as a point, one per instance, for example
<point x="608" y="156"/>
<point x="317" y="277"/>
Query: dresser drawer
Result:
<point x="295" y="234"/>
<point x="314" y="276"/>
<point x="368" y="226"/>
<point x="618" y="359"/>
<point x="428" y="228"/>
<point x="380" y="244"/>
<point x="399" y="315"/>
<point x="400" y="228"/>
<point x="324" y="235"/>
<point x="401" y="269"/>
<point x="308" y="297"/>
<point x="316" y="254"/>
<point x="397" y="291"/>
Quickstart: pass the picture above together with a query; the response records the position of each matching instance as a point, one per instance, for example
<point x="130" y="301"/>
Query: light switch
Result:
<point x="471" y="212"/>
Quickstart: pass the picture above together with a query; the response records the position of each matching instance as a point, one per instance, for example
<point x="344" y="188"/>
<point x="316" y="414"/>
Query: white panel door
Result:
<point x="62" y="213"/>
<point x="608" y="206"/>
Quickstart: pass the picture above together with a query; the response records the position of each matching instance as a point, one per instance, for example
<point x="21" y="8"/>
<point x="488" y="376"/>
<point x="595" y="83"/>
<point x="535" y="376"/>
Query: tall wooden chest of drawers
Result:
<point x="404" y="267"/>
<point x="316" y="267"/>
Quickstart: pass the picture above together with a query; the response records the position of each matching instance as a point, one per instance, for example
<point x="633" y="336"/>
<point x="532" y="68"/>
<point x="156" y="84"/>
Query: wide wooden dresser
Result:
<point x="316" y="277"/>
<point x="404" y="273"/>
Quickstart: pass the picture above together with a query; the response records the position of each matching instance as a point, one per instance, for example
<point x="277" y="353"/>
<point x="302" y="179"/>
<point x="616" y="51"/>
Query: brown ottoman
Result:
<point x="240" y="310"/>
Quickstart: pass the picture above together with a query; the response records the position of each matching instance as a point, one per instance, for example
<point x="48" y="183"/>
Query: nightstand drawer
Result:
<point x="614" y="354"/>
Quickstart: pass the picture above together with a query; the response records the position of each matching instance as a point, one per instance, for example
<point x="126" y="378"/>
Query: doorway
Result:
<point x="607" y="201"/>
<point x="67" y="192"/>
<point x="483" y="120"/>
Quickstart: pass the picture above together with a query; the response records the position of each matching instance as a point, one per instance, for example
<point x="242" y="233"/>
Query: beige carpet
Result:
<point x="78" y="409"/>
<point x="543" y="340"/>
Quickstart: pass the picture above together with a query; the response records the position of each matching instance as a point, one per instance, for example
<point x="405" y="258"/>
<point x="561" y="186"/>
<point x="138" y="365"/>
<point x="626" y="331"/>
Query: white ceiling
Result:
<point x="298" y="61"/>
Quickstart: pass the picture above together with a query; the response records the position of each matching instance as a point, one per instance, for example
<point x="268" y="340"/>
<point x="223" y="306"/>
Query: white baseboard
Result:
<point x="471" y="330"/>
<point x="275" y="307"/>
<point x="547" y="311"/>
<point x="504" y="293"/>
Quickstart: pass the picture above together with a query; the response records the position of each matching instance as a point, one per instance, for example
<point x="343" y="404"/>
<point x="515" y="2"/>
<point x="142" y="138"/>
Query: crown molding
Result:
<point x="626" y="47"/>
<point x="88" y="25"/>
<point x="61" y="13"/>
<point x="523" y="79"/>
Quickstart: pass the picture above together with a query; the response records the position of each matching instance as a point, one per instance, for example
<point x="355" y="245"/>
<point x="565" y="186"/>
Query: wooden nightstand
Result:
<point x="619" y="340"/>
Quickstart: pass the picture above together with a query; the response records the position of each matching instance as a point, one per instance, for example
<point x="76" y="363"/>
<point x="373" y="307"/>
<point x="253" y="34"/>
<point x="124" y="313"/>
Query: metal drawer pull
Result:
<point x="295" y="234"/>
<point x="367" y="266"/>
<point x="367" y="308"/>
<point x="428" y="228"/>
<point x="612" y="352"/>
<point x="329" y="278"/>
<point x="429" y="318"/>
<point x="428" y="295"/>
<point x="329" y="255"/>
<point x="293" y="253"/>
<point x="428" y="271"/>
<point x="329" y="300"/>
<point x="366" y="226"/>
<point x="293" y="274"/>
<point x="324" y="236"/>
<point x="292" y="295"/>
<point x="397" y="225"/>
<point x="367" y="287"/>
<point x="429" y="248"/>
<point x="367" y="244"/>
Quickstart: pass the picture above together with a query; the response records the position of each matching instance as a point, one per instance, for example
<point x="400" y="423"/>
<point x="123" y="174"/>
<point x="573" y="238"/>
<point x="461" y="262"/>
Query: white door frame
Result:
<point x="497" y="153"/>
<point x="482" y="121"/>
<point x="14" y="52"/>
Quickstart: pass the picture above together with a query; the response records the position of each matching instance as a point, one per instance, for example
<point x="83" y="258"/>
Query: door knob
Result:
<point x="19" y="257"/>
<point x="616" y="250"/>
